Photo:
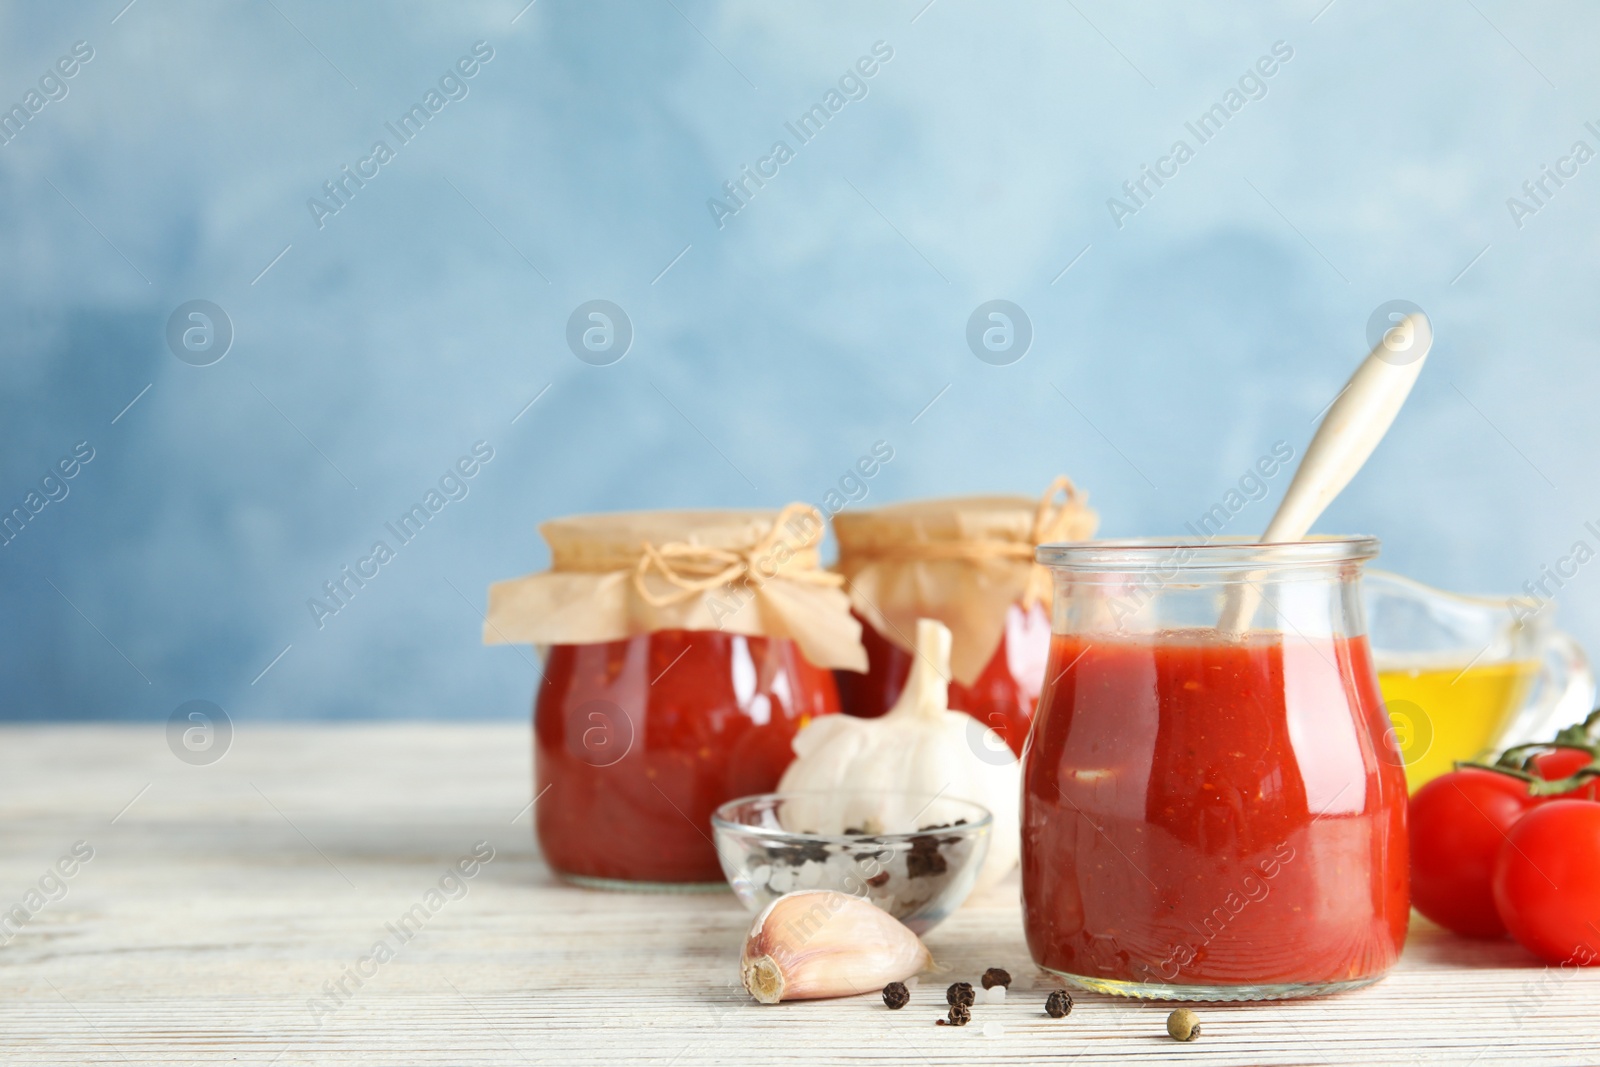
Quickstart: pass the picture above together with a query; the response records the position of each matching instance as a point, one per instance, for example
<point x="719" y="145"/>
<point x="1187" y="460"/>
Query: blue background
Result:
<point x="824" y="316"/>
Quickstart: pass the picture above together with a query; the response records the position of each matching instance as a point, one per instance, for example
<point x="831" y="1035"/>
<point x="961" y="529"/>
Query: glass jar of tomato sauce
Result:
<point x="967" y="562"/>
<point x="1213" y="804"/>
<point x="638" y="741"/>
<point x="684" y="650"/>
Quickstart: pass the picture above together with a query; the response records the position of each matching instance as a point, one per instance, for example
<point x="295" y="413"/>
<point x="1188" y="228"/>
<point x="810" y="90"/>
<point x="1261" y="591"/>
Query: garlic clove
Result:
<point x="822" y="943"/>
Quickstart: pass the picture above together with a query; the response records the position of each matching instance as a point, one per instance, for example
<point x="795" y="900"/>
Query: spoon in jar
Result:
<point x="1354" y="424"/>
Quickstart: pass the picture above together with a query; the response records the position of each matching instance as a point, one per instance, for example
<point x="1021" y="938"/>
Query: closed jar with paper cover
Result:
<point x="684" y="650"/>
<point x="969" y="563"/>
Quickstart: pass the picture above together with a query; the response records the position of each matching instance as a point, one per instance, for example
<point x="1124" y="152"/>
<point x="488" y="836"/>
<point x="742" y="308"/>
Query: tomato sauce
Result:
<point x="637" y="741"/>
<point x="1208" y="812"/>
<point x="1002" y="697"/>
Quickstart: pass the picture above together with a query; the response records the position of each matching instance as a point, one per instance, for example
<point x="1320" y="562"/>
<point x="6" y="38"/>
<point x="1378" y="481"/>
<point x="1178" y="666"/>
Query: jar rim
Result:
<point x="1212" y="553"/>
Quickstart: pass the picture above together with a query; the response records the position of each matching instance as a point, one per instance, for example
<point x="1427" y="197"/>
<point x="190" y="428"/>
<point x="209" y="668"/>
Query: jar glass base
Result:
<point x="1175" y="991"/>
<point x="624" y="886"/>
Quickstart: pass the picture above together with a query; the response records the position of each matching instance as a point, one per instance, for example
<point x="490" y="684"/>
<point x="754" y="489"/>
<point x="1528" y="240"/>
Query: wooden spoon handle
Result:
<point x="1352" y="428"/>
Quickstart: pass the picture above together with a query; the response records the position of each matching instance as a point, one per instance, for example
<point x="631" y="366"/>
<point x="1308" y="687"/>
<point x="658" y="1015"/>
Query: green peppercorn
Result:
<point x="1183" y="1025"/>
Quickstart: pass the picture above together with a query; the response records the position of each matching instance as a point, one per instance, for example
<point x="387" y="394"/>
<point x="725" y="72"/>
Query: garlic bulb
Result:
<point x="822" y="943"/>
<point x="920" y="748"/>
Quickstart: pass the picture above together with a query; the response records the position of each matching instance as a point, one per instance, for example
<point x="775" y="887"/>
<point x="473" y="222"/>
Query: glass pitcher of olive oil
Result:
<point x="1465" y="676"/>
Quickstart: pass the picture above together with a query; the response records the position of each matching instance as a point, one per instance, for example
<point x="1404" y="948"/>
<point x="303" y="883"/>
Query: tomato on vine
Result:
<point x="1562" y="763"/>
<point x="1568" y="766"/>
<point x="1516" y="846"/>
<point x="1458" y="822"/>
<point x="1547" y="881"/>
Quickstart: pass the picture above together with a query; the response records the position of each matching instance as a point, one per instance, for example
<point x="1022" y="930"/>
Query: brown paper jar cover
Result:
<point x="614" y="576"/>
<point x="961" y="560"/>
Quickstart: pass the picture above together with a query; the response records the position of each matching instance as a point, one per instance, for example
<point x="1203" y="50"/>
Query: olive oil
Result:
<point x="1443" y="713"/>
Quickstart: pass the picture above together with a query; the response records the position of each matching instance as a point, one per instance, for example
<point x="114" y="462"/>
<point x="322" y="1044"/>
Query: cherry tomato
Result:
<point x="1547" y="881"/>
<point x="1557" y="763"/>
<point x="1458" y="822"/>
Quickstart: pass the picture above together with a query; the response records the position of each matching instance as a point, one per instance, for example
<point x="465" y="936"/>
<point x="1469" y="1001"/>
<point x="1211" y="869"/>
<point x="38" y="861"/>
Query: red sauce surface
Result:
<point x="639" y="740"/>
<point x="1220" y="813"/>
<point x="1003" y="696"/>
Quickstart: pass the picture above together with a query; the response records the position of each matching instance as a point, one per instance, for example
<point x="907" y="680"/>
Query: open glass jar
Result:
<point x="685" y="649"/>
<point x="1213" y="804"/>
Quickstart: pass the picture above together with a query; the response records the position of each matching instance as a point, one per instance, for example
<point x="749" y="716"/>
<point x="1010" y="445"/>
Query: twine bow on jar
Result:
<point x="1050" y="523"/>
<point x="692" y="569"/>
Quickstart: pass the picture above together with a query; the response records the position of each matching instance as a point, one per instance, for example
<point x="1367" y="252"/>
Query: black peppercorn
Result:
<point x="996" y="976"/>
<point x="896" y="995"/>
<point x="960" y="994"/>
<point x="924" y="858"/>
<point x="960" y="1015"/>
<point x="1058" y="1005"/>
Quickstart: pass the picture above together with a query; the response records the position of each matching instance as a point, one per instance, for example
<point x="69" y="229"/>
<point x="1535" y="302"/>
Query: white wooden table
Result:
<point x="219" y="902"/>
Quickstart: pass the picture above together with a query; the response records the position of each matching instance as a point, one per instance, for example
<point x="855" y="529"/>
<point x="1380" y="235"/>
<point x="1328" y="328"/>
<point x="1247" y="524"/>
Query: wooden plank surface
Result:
<point x="218" y="903"/>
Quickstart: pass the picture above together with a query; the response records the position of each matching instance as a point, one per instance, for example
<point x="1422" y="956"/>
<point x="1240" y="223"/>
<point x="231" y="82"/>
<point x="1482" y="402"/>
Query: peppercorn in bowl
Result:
<point x="916" y="857"/>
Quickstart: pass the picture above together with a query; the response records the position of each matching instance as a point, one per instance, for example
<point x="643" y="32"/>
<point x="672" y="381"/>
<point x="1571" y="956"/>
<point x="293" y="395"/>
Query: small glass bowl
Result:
<point x="914" y="856"/>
